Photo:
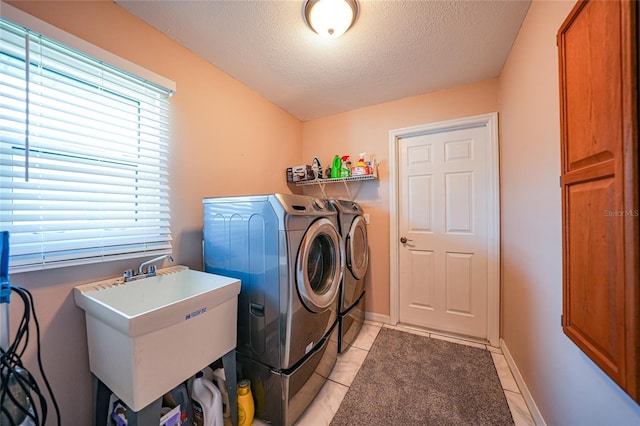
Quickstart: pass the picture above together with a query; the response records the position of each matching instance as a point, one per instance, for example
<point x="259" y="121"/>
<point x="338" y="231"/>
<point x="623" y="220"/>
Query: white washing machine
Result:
<point x="351" y="305"/>
<point x="287" y="252"/>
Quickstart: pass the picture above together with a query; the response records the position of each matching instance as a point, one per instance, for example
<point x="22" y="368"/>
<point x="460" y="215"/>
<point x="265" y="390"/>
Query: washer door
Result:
<point x="357" y="249"/>
<point x="319" y="266"/>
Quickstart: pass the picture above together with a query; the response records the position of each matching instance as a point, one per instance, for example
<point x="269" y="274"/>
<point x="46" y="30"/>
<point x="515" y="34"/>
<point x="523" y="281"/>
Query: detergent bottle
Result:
<point x="361" y="167"/>
<point x="221" y="381"/>
<point x="245" y="403"/>
<point x="336" y="167"/>
<point x="206" y="401"/>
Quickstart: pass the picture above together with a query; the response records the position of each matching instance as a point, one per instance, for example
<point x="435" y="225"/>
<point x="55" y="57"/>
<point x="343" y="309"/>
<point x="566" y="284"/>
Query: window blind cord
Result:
<point x="11" y="366"/>
<point x="27" y="68"/>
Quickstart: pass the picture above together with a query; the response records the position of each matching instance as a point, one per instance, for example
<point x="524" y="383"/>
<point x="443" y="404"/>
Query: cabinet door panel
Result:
<point x="594" y="289"/>
<point x="593" y="51"/>
<point x="598" y="59"/>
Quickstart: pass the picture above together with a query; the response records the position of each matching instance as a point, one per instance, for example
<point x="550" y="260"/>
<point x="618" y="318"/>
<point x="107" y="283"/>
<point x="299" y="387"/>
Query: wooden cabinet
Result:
<point x="598" y="59"/>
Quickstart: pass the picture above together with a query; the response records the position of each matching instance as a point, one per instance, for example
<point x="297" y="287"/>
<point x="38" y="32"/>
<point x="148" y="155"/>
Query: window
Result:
<point x="83" y="156"/>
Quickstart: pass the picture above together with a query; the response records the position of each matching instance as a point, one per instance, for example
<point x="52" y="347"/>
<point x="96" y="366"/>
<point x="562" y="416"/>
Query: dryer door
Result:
<point x="319" y="266"/>
<point x="357" y="249"/>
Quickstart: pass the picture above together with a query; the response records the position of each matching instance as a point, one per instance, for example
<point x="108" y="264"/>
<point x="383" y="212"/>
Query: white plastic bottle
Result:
<point x="206" y="402"/>
<point x="207" y="373"/>
<point x="221" y="381"/>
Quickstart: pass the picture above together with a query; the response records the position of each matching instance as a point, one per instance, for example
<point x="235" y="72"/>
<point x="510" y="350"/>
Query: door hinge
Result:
<point x="561" y="321"/>
<point x="560" y="181"/>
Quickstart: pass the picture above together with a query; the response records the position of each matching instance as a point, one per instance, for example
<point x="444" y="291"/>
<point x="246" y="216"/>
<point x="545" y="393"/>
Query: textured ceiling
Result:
<point x="395" y="49"/>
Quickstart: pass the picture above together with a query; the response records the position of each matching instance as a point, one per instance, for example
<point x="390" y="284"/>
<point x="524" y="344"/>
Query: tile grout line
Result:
<point x="338" y="383"/>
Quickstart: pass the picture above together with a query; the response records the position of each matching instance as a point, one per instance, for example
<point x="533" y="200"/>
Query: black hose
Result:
<point x="15" y="378"/>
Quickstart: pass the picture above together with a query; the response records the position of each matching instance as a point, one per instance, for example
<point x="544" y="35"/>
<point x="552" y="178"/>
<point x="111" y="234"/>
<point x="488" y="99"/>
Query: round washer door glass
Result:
<point x="357" y="250"/>
<point x="319" y="266"/>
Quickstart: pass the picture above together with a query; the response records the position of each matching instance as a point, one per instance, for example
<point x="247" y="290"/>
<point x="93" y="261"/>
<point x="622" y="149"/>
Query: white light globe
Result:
<point x="331" y="18"/>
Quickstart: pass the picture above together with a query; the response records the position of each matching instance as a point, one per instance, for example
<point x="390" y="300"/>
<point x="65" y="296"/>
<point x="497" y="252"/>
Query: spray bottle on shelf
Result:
<point x="345" y="170"/>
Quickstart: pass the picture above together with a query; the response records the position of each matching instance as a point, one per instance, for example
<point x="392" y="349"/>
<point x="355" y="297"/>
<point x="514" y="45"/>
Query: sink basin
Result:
<point x="147" y="336"/>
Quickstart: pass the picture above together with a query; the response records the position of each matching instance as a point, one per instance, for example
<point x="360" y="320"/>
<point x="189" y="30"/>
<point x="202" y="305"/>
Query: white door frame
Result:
<point x="490" y="123"/>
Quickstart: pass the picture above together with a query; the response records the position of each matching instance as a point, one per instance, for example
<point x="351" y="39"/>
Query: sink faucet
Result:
<point x="150" y="271"/>
<point x="152" y="268"/>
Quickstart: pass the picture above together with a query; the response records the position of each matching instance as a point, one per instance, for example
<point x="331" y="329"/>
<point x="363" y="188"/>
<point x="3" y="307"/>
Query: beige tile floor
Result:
<point x="328" y="400"/>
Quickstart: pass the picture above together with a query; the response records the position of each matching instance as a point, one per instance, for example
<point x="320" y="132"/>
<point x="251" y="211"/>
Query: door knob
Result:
<point x="404" y="240"/>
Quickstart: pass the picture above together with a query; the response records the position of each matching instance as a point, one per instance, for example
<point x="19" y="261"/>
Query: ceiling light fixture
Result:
<point x="330" y="18"/>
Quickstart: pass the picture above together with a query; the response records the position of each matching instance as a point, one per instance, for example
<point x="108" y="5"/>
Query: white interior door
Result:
<point x="443" y="213"/>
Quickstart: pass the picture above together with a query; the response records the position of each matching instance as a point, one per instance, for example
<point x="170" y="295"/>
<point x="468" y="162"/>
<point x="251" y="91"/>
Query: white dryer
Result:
<point x="351" y="304"/>
<point x="288" y="254"/>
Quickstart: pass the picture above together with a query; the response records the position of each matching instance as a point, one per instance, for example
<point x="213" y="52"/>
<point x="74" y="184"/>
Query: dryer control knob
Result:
<point x="318" y="204"/>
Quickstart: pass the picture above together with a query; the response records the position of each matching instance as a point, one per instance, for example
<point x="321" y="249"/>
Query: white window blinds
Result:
<point x="83" y="156"/>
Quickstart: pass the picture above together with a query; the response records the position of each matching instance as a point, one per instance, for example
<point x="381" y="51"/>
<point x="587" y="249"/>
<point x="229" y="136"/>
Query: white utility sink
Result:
<point x="147" y="336"/>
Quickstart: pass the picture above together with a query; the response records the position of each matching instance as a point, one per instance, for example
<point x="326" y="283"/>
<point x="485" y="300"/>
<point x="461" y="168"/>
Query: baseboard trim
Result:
<point x="372" y="316"/>
<point x="528" y="399"/>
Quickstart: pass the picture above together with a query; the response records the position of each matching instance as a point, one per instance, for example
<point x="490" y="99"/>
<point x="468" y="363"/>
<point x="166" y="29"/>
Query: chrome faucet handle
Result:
<point x="151" y="269"/>
<point x="128" y="274"/>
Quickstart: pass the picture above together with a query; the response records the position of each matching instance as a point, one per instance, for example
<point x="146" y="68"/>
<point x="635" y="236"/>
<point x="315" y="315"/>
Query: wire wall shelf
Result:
<point x="345" y="181"/>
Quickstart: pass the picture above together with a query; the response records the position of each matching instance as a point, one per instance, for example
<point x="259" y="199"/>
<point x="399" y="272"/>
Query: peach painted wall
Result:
<point x="367" y="130"/>
<point x="226" y="140"/>
<point x="566" y="386"/>
<point x="221" y="127"/>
